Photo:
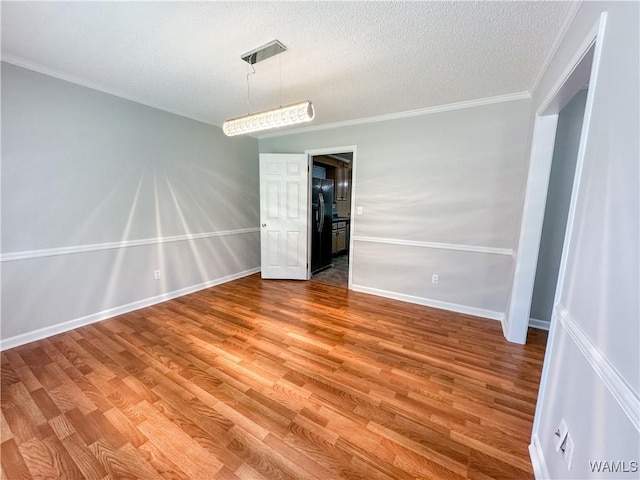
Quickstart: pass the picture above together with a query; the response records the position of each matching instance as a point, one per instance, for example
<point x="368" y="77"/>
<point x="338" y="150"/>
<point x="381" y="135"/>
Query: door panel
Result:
<point x="293" y="246"/>
<point x="273" y="248"/>
<point x="273" y="200"/>
<point x="293" y="203"/>
<point x="284" y="209"/>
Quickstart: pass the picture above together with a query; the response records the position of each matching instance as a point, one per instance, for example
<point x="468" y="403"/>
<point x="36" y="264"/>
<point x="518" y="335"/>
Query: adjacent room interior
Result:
<point x="330" y="254"/>
<point x="381" y="240"/>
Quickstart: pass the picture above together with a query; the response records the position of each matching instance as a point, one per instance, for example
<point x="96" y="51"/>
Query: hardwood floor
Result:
<point x="272" y="379"/>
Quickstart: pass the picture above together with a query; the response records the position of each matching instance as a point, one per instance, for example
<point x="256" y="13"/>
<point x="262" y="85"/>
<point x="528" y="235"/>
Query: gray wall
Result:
<point x="592" y="369"/>
<point x="98" y="192"/>
<point x="563" y="168"/>
<point x="441" y="194"/>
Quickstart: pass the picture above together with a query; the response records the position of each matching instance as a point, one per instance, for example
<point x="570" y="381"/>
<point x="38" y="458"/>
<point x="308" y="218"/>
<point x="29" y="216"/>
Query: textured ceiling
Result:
<point x="352" y="59"/>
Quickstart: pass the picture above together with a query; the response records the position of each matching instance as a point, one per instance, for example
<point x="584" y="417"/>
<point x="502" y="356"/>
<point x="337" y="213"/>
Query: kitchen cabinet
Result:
<point x="342" y="240"/>
<point x="343" y="183"/>
<point x="339" y="236"/>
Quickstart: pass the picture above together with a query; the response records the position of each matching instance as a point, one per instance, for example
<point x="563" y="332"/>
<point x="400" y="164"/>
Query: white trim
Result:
<point x="410" y="113"/>
<point x="452" y="307"/>
<point x="540" y="470"/>
<point x="597" y="32"/>
<point x="52" y="252"/>
<point x="314" y="152"/>
<point x="45" y="332"/>
<point x="309" y="214"/>
<point x="539" y="324"/>
<point x="36" y="67"/>
<point x="504" y="325"/>
<point x="615" y="382"/>
<point x="541" y="157"/>
<point x="544" y="377"/>
<point x="441" y="246"/>
<point x="328" y="151"/>
<point x="538" y="181"/>
<point x="564" y="28"/>
<point x="352" y="229"/>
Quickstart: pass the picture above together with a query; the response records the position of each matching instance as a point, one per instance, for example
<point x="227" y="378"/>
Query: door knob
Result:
<point x="264" y="224"/>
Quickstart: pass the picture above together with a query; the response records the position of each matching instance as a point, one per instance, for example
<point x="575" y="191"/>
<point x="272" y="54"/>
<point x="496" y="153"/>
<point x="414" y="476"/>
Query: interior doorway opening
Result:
<point x="561" y="180"/>
<point x="331" y="216"/>
<point x="581" y="72"/>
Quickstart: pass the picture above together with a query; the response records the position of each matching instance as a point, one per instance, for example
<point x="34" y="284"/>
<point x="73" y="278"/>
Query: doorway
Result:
<point x="563" y="166"/>
<point x="331" y="215"/>
<point x="580" y="72"/>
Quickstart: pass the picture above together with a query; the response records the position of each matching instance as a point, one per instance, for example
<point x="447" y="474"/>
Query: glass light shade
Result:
<point x="276" y="117"/>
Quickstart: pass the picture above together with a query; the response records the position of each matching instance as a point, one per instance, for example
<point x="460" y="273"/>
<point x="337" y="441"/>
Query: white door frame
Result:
<point x="592" y="43"/>
<point x="581" y="69"/>
<point x="332" y="151"/>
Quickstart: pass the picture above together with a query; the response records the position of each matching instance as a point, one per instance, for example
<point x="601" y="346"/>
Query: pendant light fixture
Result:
<point x="276" y="117"/>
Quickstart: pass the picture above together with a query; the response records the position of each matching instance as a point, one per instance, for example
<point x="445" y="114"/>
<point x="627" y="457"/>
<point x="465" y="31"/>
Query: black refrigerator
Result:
<point x="322" y="215"/>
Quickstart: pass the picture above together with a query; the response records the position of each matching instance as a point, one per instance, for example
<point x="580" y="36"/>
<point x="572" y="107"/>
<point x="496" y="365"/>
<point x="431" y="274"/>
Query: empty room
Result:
<point x="320" y="240"/>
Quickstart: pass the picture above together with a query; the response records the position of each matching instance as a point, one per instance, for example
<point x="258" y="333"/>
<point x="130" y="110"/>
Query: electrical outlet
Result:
<point x="156" y="274"/>
<point x="567" y="451"/>
<point x="359" y="210"/>
<point x="434" y="279"/>
<point x="560" y="434"/>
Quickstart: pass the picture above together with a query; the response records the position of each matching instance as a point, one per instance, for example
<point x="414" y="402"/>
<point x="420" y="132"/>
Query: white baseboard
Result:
<point x="453" y="307"/>
<point x="45" y="332"/>
<point x="539" y="324"/>
<point x="540" y="470"/>
<point x="505" y="326"/>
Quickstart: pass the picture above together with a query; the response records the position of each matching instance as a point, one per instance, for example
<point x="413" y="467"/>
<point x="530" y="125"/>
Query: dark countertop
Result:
<point x="341" y="219"/>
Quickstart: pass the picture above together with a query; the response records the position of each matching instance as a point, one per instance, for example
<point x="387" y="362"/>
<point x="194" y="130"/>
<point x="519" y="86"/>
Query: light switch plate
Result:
<point x="560" y="434"/>
<point x="568" y="451"/>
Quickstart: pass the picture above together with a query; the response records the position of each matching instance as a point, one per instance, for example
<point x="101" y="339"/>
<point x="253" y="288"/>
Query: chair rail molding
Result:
<point x="437" y="245"/>
<point x="617" y="385"/>
<point x="52" y="252"/>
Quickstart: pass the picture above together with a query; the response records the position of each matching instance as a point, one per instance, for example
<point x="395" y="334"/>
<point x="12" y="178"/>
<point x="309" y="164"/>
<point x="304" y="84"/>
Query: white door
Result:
<point x="284" y="210"/>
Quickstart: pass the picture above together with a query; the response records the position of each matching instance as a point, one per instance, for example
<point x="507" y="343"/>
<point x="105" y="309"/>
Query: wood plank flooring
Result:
<point x="272" y="379"/>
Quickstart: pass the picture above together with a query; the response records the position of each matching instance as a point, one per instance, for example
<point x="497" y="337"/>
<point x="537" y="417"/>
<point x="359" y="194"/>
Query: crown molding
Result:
<point x="36" y="67"/>
<point x="407" y="114"/>
<point x="564" y="28"/>
<point x="20" y="62"/>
